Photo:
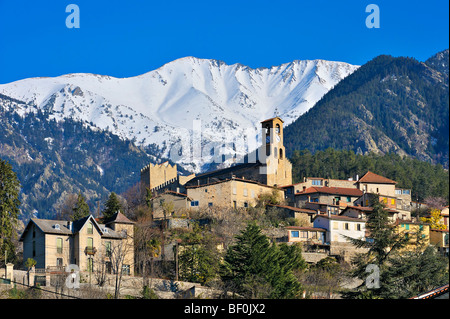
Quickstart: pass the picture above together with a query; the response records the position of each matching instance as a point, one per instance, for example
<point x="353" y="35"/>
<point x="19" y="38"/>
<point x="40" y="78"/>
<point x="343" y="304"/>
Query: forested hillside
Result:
<point x="389" y="105"/>
<point x="53" y="159"/>
<point x="424" y="179"/>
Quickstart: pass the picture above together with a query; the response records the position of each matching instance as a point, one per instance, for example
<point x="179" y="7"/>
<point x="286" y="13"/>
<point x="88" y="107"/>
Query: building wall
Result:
<point x="39" y="241"/>
<point x="81" y="242"/>
<point x="180" y="205"/>
<point x="366" y="200"/>
<point x="230" y="193"/>
<point x="382" y="189"/>
<point x="336" y="229"/>
<point x="412" y="229"/>
<point x="127" y="244"/>
<point x="51" y="251"/>
<point x="329" y="199"/>
<point x="154" y="175"/>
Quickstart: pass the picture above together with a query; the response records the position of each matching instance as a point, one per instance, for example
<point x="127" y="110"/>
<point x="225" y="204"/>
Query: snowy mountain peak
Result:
<point x="161" y="107"/>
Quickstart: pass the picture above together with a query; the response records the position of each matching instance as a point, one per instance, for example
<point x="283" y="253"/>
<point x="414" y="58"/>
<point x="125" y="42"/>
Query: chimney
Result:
<point x="69" y="225"/>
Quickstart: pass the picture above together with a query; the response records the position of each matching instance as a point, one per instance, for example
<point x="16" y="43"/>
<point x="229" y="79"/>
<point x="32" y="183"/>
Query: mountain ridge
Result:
<point x="158" y="107"/>
<point x="390" y="104"/>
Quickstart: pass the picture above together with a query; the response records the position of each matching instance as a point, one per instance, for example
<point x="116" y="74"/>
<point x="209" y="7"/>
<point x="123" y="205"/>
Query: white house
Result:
<point x="337" y="228"/>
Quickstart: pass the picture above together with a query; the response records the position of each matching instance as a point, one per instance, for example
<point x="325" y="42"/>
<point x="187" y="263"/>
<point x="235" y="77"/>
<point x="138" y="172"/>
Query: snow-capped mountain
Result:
<point x="164" y="107"/>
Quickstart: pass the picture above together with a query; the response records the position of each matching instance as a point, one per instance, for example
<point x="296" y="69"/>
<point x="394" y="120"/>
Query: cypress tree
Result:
<point x="112" y="205"/>
<point x="9" y="208"/>
<point x="81" y="208"/>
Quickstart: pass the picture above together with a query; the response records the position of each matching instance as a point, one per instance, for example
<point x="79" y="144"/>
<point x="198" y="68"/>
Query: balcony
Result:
<point x="90" y="250"/>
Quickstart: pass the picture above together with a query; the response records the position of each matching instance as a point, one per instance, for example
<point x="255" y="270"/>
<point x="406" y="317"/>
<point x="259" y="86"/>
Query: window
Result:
<point x="253" y="193"/>
<point x="304" y="234"/>
<point x="295" y="233"/>
<point x="59" y="262"/>
<point x="34" y="248"/>
<point x="210" y="204"/>
<point x="349" y="199"/>
<point x="246" y="204"/>
<point x="406" y="191"/>
<point x="108" y="248"/>
<point x="245" y="192"/>
<point x="126" y="269"/>
<point x="346" y="226"/>
<point x="90" y="229"/>
<point x="59" y="248"/>
<point x="358" y="227"/>
<point x="335" y="225"/>
<point x="407" y="226"/>
<point x="281" y="153"/>
<point x="398" y="192"/>
<point x="90" y="264"/>
<point x="90" y="242"/>
<point x="234" y="191"/>
<point x="234" y="204"/>
<point x="194" y="203"/>
<point x="316" y="182"/>
<point x="108" y="266"/>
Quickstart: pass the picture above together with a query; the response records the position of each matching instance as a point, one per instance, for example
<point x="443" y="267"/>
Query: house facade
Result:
<point x="338" y="228"/>
<point x="233" y="193"/>
<point x="55" y="244"/>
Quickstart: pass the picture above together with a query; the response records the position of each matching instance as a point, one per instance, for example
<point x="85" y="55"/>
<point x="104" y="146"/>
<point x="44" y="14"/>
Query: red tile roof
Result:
<point x="367" y="209"/>
<point x="370" y="177"/>
<point x="332" y="190"/>
<point x="339" y="217"/>
<point x="305" y="228"/>
<point x="296" y="209"/>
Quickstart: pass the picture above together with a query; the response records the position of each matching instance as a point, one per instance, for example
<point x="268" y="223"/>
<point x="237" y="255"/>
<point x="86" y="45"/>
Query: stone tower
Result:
<point x="272" y="154"/>
<point x="154" y="175"/>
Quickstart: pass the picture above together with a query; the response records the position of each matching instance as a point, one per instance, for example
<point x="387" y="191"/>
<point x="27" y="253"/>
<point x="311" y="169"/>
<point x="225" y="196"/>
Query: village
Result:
<point x="319" y="214"/>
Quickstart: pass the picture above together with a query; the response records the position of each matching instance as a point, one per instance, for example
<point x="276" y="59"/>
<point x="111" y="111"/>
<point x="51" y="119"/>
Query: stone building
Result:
<point x="264" y="170"/>
<point x="85" y="242"/>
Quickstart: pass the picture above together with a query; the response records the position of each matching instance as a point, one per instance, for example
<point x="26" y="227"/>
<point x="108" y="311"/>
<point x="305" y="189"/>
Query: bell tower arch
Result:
<point x="278" y="167"/>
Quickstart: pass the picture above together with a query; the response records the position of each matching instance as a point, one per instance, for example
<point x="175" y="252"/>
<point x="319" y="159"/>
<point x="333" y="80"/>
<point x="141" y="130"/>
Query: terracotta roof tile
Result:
<point x="370" y="177"/>
<point x="332" y="190"/>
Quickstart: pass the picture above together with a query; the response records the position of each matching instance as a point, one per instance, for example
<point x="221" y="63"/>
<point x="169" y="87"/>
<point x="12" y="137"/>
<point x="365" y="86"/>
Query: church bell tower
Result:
<point x="277" y="167"/>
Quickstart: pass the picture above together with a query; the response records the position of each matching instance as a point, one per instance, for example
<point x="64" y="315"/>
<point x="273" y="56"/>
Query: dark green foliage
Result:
<point x="9" y="209"/>
<point x="402" y="273"/>
<point x="52" y="158"/>
<point x="255" y="268"/>
<point x="393" y="103"/>
<point x="112" y="205"/>
<point x="81" y="208"/>
<point x="198" y="256"/>
<point x="424" y="179"/>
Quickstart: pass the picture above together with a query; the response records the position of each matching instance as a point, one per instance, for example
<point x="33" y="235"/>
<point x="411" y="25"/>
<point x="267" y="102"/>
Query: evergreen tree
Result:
<point x="112" y="205"/>
<point x="9" y="209"/>
<point x="81" y="208"/>
<point x="401" y="272"/>
<point x="198" y="258"/>
<point x="255" y="268"/>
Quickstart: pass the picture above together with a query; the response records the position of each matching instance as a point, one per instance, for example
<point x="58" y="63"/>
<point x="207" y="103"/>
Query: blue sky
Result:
<point x="128" y="38"/>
